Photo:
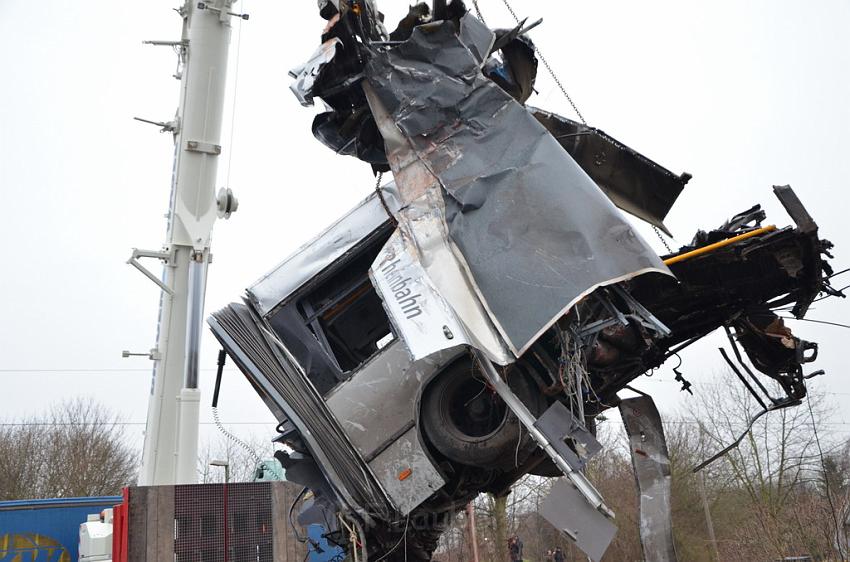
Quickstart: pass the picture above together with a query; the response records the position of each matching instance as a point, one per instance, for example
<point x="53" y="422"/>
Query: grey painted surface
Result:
<point x="567" y="510"/>
<point x="652" y="472"/>
<point x="379" y="402"/>
<point x="407" y="489"/>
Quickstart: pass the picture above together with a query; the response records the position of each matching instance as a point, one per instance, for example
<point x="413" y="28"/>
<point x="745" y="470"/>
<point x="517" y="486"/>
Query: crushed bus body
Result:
<point x="466" y="324"/>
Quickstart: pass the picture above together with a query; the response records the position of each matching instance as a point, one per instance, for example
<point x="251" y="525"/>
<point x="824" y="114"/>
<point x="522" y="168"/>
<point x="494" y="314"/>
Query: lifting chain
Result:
<point x="478" y="11"/>
<point x="563" y="91"/>
<point x="560" y="87"/>
<point x="663" y="240"/>
<point x="380" y="193"/>
<point x="544" y="61"/>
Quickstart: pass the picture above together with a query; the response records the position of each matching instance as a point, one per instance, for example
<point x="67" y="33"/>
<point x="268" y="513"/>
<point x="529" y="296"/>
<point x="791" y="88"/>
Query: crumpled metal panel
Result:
<point x="560" y="425"/>
<point x="269" y="365"/>
<point x="652" y="471"/>
<point x="566" y="509"/>
<point x="306" y="74"/>
<point x="633" y="182"/>
<point x="532" y="231"/>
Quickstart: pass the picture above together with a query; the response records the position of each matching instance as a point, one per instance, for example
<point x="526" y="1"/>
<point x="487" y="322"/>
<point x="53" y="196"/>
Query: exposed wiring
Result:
<point x="298" y="536"/>
<point x="222" y="359"/>
<point x="403" y="539"/>
<point x="829" y="293"/>
<point x="357" y="538"/>
<point x="734" y="444"/>
<point x="363" y="547"/>
<point x="352" y="534"/>
<point x="480" y="392"/>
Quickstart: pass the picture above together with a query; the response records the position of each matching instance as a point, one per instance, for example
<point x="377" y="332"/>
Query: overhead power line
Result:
<point x="83" y="424"/>
<point x="817" y="321"/>
<point x="690" y="422"/>
<point x="698" y="384"/>
<point x="78" y="371"/>
<point x="268" y="423"/>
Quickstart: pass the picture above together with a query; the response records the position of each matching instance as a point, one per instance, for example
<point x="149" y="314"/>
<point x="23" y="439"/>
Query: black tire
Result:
<point x="469" y="424"/>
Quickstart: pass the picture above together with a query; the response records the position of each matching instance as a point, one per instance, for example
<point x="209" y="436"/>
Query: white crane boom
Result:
<point x="171" y="435"/>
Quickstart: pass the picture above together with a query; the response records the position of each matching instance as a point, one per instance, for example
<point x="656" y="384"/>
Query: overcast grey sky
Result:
<point x="743" y="95"/>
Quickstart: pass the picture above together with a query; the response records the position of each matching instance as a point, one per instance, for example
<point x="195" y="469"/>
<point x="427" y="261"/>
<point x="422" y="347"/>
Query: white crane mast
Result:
<point x="171" y="435"/>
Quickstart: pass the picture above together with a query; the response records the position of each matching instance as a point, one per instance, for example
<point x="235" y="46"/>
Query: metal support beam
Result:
<point x="578" y="480"/>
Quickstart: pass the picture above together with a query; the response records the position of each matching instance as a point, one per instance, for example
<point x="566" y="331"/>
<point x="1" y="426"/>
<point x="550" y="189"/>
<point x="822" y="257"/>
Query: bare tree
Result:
<point x="21" y="457"/>
<point x="77" y="448"/>
<point x="768" y="496"/>
<point x="242" y="457"/>
<point x="769" y="490"/>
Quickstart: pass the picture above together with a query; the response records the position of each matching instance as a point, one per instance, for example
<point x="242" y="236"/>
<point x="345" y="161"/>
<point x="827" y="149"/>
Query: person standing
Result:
<point x="558" y="555"/>
<point x="515" y="548"/>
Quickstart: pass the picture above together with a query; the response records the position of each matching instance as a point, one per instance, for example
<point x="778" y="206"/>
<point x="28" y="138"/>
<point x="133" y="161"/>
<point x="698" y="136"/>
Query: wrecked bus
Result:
<point x="464" y="326"/>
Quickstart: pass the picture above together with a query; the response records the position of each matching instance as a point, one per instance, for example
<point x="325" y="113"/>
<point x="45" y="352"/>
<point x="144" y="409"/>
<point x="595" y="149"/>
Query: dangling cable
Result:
<point x="222" y="358"/>
<point x="298" y="536"/>
<point x="403" y="539"/>
<point x="233" y="109"/>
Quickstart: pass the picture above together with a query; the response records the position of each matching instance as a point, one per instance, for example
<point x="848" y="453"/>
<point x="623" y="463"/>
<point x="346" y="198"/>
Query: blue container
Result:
<point x="46" y="530"/>
<point x="319" y="549"/>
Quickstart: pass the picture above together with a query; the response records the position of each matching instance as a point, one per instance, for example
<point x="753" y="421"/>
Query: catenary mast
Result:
<point x="171" y="435"/>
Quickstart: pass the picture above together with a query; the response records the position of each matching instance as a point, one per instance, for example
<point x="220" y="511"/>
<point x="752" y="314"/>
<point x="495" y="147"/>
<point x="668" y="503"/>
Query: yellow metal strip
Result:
<point x="717" y="245"/>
